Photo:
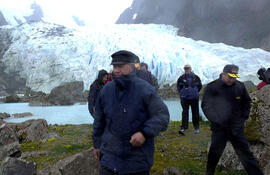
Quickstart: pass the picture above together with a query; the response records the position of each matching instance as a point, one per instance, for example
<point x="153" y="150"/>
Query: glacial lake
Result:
<point x="75" y="114"/>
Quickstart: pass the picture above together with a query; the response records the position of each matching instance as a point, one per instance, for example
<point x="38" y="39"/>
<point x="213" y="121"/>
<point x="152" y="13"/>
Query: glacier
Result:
<point x="47" y="54"/>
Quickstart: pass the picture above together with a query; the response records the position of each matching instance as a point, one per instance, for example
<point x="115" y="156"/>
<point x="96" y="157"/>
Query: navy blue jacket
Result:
<point x="189" y="86"/>
<point x="226" y="106"/>
<point x="125" y="106"/>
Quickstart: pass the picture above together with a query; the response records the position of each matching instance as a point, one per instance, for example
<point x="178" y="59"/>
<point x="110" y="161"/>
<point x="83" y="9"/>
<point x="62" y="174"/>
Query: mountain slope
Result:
<point x="243" y="23"/>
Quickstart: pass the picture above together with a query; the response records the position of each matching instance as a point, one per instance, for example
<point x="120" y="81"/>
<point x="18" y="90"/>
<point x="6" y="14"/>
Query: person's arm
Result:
<point x="99" y="123"/>
<point x="180" y="84"/>
<point x="159" y="116"/>
<point x="199" y="83"/>
<point x="208" y="105"/>
<point x="92" y="98"/>
<point x="246" y="100"/>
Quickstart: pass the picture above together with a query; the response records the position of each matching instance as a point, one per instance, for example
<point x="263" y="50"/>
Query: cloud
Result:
<point x="63" y="11"/>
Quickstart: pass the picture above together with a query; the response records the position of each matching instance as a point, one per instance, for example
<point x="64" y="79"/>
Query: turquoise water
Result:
<point x="76" y="114"/>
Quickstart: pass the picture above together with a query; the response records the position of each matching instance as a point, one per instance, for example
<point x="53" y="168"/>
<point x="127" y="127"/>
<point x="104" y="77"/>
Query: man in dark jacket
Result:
<point x="129" y="114"/>
<point x="95" y="88"/>
<point x="226" y="104"/>
<point x="154" y="81"/>
<point x="189" y="85"/>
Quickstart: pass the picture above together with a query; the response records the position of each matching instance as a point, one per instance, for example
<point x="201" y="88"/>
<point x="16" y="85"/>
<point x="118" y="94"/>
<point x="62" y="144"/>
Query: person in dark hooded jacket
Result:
<point x="261" y="76"/>
<point x="226" y="104"/>
<point x="129" y="114"/>
<point x="95" y="88"/>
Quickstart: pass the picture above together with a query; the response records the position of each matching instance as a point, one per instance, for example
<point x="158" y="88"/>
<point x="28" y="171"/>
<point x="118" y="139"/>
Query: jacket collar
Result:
<point x="124" y="81"/>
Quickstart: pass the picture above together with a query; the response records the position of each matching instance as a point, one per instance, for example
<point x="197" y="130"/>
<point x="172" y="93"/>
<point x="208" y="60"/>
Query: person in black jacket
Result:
<point x="129" y="114"/>
<point x="188" y="86"/>
<point x="226" y="104"/>
<point x="154" y="81"/>
<point x="95" y="88"/>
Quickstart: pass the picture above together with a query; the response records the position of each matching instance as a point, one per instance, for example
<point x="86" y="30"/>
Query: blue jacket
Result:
<point x="189" y="86"/>
<point x="125" y="106"/>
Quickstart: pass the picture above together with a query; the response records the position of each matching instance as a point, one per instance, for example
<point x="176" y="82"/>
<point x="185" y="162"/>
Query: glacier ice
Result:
<point x="48" y="54"/>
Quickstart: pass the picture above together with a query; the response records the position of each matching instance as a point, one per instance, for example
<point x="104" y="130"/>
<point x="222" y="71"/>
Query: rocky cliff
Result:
<point x="243" y="23"/>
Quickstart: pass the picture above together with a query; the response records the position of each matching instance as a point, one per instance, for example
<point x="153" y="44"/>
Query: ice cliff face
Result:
<point x="47" y="54"/>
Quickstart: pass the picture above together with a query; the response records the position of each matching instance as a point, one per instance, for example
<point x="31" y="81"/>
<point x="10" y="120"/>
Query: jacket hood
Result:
<point x="101" y="74"/>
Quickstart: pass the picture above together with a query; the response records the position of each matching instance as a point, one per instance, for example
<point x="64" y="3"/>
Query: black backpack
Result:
<point x="267" y="76"/>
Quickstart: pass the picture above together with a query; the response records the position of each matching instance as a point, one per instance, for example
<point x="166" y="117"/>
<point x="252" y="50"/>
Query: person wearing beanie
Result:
<point x="129" y="115"/>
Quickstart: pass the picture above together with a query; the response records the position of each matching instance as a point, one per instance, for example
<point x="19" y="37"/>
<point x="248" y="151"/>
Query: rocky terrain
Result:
<point x="257" y="130"/>
<point x="64" y="94"/>
<point x="34" y="147"/>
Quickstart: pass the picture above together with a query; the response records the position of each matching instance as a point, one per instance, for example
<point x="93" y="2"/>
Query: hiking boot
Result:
<point x="182" y="132"/>
<point x="197" y="131"/>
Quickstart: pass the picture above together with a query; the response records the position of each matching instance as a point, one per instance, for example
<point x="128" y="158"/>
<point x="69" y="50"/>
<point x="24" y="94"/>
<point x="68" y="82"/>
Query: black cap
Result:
<point x="231" y="70"/>
<point x="124" y="57"/>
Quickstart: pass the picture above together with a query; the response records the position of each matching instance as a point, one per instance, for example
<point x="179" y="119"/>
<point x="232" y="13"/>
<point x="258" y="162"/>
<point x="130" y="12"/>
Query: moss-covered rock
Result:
<point x="12" y="99"/>
<point x="187" y="153"/>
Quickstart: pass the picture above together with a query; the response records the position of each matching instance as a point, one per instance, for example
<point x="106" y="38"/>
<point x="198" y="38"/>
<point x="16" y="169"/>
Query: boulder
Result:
<point x="257" y="131"/>
<point x="33" y="154"/>
<point x="172" y="171"/>
<point x="12" y="99"/>
<point x="13" y="166"/>
<point x="1" y="122"/>
<point x="21" y="115"/>
<point x="39" y="99"/>
<point x="82" y="163"/>
<point x="250" y="85"/>
<point x="4" y="115"/>
<point x="9" y="143"/>
<point x="31" y="130"/>
<point x="67" y="93"/>
<point x="169" y="92"/>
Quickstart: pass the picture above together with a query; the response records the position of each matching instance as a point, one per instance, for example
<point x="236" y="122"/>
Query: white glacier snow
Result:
<point x="48" y="54"/>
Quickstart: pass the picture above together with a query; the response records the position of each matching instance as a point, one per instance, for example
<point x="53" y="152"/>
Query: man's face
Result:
<point x="143" y="68"/>
<point x="187" y="70"/>
<point x="121" y="69"/>
<point x="228" y="80"/>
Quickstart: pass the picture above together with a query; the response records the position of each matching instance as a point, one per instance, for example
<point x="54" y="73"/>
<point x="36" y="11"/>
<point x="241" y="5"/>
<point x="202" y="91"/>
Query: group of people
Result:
<point x="128" y="113"/>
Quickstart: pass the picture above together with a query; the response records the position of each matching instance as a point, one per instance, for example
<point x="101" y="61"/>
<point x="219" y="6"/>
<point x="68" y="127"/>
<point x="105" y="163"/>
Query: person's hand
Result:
<point x="137" y="139"/>
<point x="97" y="154"/>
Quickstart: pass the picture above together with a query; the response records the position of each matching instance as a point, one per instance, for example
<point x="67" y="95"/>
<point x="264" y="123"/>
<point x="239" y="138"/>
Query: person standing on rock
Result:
<point x="226" y="104"/>
<point x="95" y="88"/>
<point x="189" y="86"/>
<point x="129" y="114"/>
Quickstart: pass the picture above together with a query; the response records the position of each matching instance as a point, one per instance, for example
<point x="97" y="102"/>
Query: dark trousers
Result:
<point x="106" y="171"/>
<point x="240" y="145"/>
<point x="195" y="113"/>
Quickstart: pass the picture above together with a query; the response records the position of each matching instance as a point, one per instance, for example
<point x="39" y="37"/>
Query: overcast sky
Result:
<point x="61" y="11"/>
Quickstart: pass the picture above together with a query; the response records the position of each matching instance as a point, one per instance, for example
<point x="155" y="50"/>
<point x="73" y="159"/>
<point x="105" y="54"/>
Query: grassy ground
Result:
<point x="188" y="152"/>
